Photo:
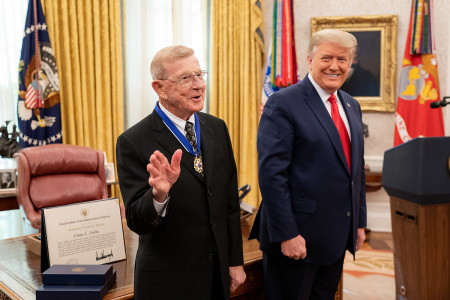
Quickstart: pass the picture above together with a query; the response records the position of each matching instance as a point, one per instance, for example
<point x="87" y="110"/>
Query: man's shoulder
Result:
<point x="209" y="119"/>
<point x="293" y="91"/>
<point x="291" y="95"/>
<point x="347" y="96"/>
<point x="141" y="127"/>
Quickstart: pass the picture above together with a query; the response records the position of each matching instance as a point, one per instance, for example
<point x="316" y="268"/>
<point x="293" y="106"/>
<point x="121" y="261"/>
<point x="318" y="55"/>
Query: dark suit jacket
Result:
<point x="305" y="182"/>
<point x="175" y="255"/>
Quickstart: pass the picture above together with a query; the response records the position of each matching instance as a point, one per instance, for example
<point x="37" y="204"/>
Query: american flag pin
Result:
<point x="348" y="104"/>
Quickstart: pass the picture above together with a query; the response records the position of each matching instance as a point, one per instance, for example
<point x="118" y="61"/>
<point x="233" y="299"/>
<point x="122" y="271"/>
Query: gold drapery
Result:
<point x="235" y="88"/>
<point x="86" y="36"/>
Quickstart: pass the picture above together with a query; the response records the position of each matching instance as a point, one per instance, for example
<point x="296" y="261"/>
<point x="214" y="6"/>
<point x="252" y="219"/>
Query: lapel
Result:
<point x="353" y="123"/>
<point x="318" y="108"/>
<point x="168" y="141"/>
<point x="207" y="143"/>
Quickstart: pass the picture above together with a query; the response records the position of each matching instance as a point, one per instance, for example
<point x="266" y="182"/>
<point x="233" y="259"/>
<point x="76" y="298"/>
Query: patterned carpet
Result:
<point x="370" y="277"/>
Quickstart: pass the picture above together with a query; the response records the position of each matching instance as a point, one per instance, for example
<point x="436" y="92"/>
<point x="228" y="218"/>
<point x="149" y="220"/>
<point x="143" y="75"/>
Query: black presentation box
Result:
<point x="77" y="274"/>
<point x="75" y="292"/>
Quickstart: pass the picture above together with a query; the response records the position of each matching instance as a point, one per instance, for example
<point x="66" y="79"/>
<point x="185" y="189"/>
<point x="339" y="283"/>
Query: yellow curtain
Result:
<point x="86" y="36"/>
<point x="235" y="88"/>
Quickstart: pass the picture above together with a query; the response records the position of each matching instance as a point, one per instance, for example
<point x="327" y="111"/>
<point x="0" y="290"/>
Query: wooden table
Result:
<point x="8" y="201"/>
<point x="20" y="274"/>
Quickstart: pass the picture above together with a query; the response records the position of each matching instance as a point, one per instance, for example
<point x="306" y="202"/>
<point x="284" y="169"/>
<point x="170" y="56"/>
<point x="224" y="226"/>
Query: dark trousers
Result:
<point x="217" y="287"/>
<point x="288" y="279"/>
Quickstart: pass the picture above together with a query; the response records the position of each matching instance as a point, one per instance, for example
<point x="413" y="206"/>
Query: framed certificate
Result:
<point x="83" y="233"/>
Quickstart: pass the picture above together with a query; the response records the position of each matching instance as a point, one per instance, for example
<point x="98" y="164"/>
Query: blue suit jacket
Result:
<point x="305" y="182"/>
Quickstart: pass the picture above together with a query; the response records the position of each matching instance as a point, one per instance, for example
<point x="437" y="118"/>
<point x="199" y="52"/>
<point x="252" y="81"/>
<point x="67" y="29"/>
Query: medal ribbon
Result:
<point x="180" y="136"/>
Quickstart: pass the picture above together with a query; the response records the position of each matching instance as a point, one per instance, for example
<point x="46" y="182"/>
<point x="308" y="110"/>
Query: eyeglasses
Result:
<point x="188" y="78"/>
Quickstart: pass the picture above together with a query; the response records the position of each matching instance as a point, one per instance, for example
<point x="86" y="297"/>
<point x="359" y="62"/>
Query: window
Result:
<point x="12" y="24"/>
<point x="150" y="26"/>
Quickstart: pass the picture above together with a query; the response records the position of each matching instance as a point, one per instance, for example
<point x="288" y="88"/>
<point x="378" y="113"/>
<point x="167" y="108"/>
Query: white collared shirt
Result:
<point x="324" y="96"/>
<point x="180" y="124"/>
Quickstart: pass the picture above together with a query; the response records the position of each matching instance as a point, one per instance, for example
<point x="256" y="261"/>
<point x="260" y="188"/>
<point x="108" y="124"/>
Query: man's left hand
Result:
<point x="237" y="277"/>
<point x="360" y="237"/>
<point x="163" y="174"/>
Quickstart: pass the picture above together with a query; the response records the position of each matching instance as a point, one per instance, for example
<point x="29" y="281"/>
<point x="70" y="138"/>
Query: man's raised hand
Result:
<point x="163" y="174"/>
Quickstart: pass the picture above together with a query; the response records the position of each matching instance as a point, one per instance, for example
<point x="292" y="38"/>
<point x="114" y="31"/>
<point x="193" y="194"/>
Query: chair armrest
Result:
<point x="23" y="188"/>
<point x="101" y="173"/>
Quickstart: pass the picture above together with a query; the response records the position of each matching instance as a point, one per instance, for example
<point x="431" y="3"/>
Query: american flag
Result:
<point x="33" y="98"/>
<point x="39" y="103"/>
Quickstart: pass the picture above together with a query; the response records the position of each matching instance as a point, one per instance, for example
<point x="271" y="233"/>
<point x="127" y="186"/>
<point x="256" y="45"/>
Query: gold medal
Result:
<point x="198" y="164"/>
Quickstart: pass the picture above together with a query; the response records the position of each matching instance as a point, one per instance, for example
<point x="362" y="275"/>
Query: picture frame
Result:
<point x="375" y="64"/>
<point x="109" y="173"/>
<point x="8" y="180"/>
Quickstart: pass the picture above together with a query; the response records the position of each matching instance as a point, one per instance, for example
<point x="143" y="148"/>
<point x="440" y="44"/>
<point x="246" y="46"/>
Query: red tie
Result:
<point x="343" y="133"/>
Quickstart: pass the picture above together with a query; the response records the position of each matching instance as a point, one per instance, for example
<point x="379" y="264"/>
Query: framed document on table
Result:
<point x="89" y="233"/>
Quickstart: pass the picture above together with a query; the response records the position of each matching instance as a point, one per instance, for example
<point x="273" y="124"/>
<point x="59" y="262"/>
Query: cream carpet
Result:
<point x="370" y="277"/>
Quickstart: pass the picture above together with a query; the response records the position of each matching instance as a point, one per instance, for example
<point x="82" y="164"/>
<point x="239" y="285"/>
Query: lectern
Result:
<point x="416" y="175"/>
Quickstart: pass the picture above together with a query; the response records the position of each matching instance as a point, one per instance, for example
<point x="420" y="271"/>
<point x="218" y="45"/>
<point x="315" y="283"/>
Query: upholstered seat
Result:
<point x="58" y="174"/>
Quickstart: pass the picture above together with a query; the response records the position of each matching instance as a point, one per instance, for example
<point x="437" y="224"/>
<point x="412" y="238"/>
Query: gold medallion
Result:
<point x="198" y="164"/>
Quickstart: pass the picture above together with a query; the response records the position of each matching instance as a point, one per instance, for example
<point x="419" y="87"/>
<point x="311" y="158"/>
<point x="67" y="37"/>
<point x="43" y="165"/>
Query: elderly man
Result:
<point x="311" y="174"/>
<point x="186" y="211"/>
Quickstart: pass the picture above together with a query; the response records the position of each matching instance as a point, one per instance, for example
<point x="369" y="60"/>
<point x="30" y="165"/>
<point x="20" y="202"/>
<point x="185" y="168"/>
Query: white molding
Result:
<point x="378" y="204"/>
<point x="379" y="216"/>
<point x="375" y="162"/>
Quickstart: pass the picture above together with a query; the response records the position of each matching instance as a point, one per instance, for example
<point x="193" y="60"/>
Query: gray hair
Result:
<point x="168" y="54"/>
<point x="335" y="36"/>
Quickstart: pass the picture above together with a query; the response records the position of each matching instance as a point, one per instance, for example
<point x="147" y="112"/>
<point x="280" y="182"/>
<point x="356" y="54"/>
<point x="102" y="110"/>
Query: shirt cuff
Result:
<point x="161" y="207"/>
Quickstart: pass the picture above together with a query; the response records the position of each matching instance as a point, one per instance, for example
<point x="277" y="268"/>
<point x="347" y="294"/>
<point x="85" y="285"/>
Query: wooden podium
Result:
<point x="416" y="175"/>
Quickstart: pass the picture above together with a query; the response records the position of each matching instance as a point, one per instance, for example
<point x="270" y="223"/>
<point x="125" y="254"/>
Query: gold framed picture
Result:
<point x="372" y="77"/>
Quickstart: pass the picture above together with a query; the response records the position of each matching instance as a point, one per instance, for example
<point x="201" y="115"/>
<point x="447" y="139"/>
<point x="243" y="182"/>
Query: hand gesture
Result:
<point x="162" y="174"/>
<point x="294" y="248"/>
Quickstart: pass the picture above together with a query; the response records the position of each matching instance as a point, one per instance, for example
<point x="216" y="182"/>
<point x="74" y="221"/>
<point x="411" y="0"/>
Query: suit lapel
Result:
<point x="353" y="123"/>
<point x="312" y="98"/>
<point x="168" y="141"/>
<point x="207" y="143"/>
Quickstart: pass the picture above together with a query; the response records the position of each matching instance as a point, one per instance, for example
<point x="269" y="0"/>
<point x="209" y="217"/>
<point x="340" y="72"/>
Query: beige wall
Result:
<point x="381" y="125"/>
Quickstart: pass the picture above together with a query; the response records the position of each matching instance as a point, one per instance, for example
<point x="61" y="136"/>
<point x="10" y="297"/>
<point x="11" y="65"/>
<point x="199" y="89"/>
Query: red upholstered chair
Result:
<point x="58" y="174"/>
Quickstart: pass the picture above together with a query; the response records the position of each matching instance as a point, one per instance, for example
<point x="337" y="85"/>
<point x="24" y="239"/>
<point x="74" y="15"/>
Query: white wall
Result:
<point x="381" y="125"/>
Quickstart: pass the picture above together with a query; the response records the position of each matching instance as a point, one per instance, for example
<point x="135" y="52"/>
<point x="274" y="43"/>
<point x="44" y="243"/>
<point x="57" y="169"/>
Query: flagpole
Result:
<point x="37" y="61"/>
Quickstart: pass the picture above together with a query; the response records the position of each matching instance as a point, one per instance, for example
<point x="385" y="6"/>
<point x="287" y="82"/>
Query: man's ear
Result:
<point x="309" y="61"/>
<point x="159" y="89"/>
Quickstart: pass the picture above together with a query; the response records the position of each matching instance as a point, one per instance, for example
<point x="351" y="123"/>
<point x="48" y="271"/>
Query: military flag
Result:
<point x="419" y="84"/>
<point x="281" y="66"/>
<point x="38" y="108"/>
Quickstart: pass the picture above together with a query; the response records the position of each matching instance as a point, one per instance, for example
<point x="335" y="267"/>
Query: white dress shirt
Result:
<point x="324" y="96"/>
<point x="180" y="124"/>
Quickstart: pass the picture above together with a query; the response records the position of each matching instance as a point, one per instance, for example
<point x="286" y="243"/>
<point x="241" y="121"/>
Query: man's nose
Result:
<point x="197" y="83"/>
<point x="334" y="64"/>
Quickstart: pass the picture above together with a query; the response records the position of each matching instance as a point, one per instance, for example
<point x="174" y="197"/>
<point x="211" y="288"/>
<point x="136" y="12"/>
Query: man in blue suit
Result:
<point x="311" y="175"/>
